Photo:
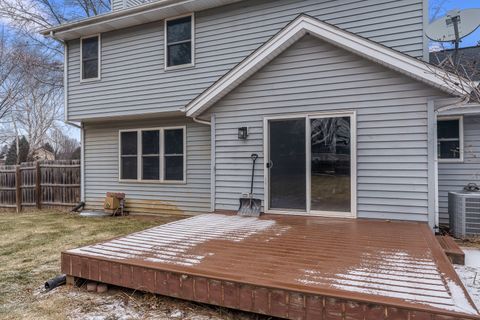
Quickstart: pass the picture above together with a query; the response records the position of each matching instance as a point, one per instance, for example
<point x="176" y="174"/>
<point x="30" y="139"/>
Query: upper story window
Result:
<point x="156" y="155"/>
<point x="179" y="42"/>
<point x="450" y="139"/>
<point x="90" y="55"/>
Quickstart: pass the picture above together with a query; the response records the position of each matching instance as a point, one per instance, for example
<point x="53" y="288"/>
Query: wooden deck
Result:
<point x="286" y="266"/>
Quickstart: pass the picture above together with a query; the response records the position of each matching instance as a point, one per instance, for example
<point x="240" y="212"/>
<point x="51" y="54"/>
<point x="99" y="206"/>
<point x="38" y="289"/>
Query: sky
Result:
<point x="474" y="38"/>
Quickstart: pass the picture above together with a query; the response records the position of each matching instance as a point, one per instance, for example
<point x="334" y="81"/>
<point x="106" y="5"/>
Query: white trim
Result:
<point x="65" y="80"/>
<point x="467" y="109"/>
<point x="99" y="76"/>
<point x="299" y="27"/>
<point x="431" y="164"/>
<point x="213" y="163"/>
<point x="192" y="40"/>
<point x="131" y="16"/>
<point x="353" y="163"/>
<point x="460" y="135"/>
<point x="161" y="155"/>
<point x="82" y="163"/>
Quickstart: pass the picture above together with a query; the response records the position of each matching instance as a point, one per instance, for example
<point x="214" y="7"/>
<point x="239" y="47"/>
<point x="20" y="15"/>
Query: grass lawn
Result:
<point x="30" y="246"/>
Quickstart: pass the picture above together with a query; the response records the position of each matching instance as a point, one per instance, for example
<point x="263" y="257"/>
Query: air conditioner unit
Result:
<point x="464" y="212"/>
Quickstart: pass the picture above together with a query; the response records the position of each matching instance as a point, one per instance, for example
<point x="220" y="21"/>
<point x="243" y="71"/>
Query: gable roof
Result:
<point x="363" y="47"/>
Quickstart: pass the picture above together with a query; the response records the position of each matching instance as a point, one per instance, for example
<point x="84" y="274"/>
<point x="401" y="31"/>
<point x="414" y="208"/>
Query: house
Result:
<point x="336" y="98"/>
<point x="459" y="163"/>
<point x="43" y="154"/>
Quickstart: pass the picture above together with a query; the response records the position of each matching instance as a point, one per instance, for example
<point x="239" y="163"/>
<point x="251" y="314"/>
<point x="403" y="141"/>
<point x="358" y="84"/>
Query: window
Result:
<point x="153" y="154"/>
<point x="90" y="55"/>
<point x="450" y="139"/>
<point x="129" y="155"/>
<point x="179" y="44"/>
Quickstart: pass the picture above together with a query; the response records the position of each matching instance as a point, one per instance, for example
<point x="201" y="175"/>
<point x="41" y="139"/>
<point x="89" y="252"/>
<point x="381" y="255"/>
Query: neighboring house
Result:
<point x="459" y="134"/>
<point x="43" y="154"/>
<point x="335" y="98"/>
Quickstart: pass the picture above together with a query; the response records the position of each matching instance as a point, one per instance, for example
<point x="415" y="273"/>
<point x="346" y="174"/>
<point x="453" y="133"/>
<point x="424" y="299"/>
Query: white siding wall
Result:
<point x="133" y="77"/>
<point x="312" y="76"/>
<point x="454" y="176"/>
<point x="102" y="169"/>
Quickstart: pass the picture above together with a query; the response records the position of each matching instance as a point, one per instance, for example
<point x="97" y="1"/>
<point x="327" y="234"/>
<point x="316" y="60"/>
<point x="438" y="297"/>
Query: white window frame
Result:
<point x="192" y="39"/>
<point x="460" y="136"/>
<point x="99" y="58"/>
<point x="353" y="164"/>
<point x="162" y="155"/>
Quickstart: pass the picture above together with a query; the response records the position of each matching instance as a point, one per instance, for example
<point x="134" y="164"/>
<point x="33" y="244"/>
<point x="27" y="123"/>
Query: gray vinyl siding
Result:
<point x="117" y="5"/>
<point x="133" y="79"/>
<point x="133" y="3"/>
<point x="454" y="176"/>
<point x="313" y="76"/>
<point x="102" y="168"/>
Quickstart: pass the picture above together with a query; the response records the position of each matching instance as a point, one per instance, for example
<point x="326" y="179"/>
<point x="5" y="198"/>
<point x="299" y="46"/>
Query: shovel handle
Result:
<point x="254" y="157"/>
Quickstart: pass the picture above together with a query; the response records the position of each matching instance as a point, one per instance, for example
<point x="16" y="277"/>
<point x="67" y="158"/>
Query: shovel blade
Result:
<point x="250" y="207"/>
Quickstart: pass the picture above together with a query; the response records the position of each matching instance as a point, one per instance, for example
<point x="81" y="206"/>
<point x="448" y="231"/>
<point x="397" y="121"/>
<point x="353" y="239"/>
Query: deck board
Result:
<point x="389" y="264"/>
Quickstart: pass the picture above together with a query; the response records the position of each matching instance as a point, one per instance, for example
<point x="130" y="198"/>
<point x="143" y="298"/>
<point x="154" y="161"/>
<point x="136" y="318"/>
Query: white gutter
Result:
<point x="459" y="104"/>
<point x="208" y="123"/>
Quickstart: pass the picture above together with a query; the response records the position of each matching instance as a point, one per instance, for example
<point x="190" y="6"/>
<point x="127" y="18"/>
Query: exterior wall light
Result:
<point x="242" y="133"/>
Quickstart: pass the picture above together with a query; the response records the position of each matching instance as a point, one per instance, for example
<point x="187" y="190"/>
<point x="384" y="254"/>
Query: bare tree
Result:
<point x="10" y="80"/>
<point x="30" y="16"/>
<point x="31" y="70"/>
<point x="63" y="146"/>
<point x="461" y="73"/>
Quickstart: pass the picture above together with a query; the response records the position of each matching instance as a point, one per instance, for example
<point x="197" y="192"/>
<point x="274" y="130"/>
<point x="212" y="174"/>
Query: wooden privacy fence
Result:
<point x="41" y="183"/>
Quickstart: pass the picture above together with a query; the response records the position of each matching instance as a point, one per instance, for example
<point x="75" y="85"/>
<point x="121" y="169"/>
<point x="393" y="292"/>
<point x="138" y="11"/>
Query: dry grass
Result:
<point x="30" y="246"/>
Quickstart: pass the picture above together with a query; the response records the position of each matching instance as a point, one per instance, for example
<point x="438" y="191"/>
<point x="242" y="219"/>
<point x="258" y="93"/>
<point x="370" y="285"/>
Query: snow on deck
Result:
<point x="396" y="263"/>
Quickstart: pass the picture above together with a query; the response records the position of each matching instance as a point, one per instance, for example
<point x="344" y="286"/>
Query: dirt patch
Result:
<point x="30" y="246"/>
<point x="473" y="242"/>
<point x="122" y="304"/>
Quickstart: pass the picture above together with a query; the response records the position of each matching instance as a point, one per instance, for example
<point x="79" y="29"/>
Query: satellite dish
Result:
<point x="456" y="25"/>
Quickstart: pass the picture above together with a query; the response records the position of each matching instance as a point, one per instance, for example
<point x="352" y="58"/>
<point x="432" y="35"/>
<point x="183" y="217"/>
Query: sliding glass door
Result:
<point x="287" y="165"/>
<point x="310" y="164"/>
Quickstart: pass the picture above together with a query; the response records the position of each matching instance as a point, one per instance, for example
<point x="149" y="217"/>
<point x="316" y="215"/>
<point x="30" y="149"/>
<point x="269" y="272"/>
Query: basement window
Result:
<point x="153" y="155"/>
<point x="179" y="42"/>
<point x="450" y="139"/>
<point x="90" y="55"/>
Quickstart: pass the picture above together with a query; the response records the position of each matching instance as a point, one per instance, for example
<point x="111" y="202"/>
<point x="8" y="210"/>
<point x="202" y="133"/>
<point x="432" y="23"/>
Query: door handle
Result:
<point x="269" y="164"/>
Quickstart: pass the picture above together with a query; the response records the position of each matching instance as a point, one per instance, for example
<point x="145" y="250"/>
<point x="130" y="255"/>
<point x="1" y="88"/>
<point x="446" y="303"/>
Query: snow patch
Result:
<point x="170" y="243"/>
<point x="396" y="274"/>
<point x="470" y="274"/>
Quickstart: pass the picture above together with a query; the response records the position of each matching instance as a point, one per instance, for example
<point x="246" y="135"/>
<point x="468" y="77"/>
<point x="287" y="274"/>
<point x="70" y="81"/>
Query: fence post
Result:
<point x="18" y="190"/>
<point x="38" y="186"/>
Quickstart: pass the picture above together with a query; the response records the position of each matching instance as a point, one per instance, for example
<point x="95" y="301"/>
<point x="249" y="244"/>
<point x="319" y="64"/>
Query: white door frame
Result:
<point x="353" y="163"/>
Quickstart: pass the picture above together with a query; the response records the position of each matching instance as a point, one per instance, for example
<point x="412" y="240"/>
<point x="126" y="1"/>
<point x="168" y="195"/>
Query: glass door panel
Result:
<point x="330" y="164"/>
<point x="287" y="165"/>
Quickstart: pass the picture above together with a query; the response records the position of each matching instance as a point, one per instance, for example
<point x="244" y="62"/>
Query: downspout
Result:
<point x="208" y="123"/>
<point x="433" y="134"/>
<point x="82" y="163"/>
<point x="211" y="123"/>
<point x="65" y="107"/>
<point x="435" y="148"/>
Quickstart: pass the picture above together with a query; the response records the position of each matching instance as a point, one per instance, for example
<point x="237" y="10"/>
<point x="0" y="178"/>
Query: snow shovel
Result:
<point x="250" y="206"/>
